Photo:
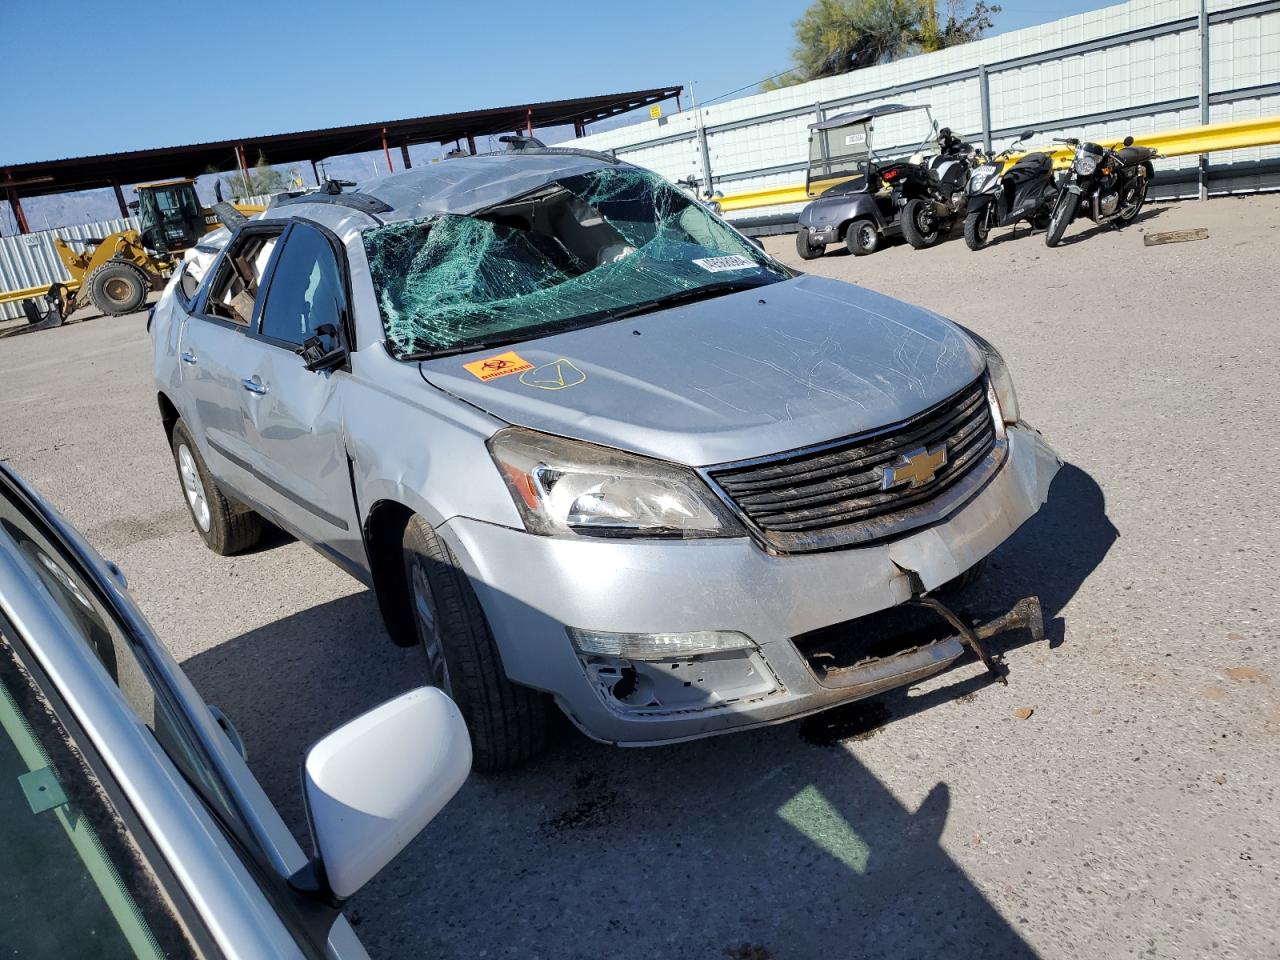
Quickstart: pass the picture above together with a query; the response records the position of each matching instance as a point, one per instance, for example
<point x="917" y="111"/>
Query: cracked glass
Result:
<point x="586" y="248"/>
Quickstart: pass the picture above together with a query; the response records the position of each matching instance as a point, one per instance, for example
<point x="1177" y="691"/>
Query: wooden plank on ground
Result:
<point x="1176" y="236"/>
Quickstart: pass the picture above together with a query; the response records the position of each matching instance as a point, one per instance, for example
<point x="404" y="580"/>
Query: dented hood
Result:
<point x="742" y="375"/>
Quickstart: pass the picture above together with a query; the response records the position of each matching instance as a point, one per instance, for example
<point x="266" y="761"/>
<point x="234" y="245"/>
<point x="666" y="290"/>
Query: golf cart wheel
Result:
<point x="806" y="249"/>
<point x="976" y="229"/>
<point x="862" y="238"/>
<point x="117" y="288"/>
<point x="920" y="224"/>
<point x="507" y="723"/>
<point x="225" y="526"/>
<point x="1063" y="211"/>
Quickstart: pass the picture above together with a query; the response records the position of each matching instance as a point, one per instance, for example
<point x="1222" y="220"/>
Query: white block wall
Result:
<point x="1047" y="96"/>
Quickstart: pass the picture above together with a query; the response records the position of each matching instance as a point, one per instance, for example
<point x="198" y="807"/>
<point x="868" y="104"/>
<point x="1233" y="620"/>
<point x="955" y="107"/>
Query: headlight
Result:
<point x="1001" y="382"/>
<point x="979" y="179"/>
<point x="1086" y="163"/>
<point x="566" y="488"/>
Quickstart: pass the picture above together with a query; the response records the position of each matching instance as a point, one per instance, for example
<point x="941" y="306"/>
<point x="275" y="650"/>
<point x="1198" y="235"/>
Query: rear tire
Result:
<point x="507" y="722"/>
<point x="225" y="526"/>
<point x="807" y="250"/>
<point x="1063" y="212"/>
<point x="976" y="229"/>
<point x="862" y="238"/>
<point x="117" y="288"/>
<point x="920" y="224"/>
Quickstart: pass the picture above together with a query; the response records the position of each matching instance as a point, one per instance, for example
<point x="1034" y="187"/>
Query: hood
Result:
<point x="738" y="376"/>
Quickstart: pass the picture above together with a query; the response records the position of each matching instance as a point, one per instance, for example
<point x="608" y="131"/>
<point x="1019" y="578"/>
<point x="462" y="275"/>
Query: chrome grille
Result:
<point x="835" y="495"/>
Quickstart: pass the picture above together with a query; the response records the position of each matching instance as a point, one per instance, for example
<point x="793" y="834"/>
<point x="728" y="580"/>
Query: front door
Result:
<point x="293" y="415"/>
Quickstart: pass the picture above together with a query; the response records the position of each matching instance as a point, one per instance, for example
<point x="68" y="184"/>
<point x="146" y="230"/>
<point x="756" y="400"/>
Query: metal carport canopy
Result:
<point x="190" y="160"/>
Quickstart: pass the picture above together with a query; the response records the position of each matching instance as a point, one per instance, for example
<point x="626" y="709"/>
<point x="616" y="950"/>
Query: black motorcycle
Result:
<point x="931" y="193"/>
<point x="1024" y="191"/>
<point x="1105" y="185"/>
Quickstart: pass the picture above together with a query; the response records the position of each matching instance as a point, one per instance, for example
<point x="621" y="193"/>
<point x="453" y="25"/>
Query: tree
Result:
<point x="836" y="36"/>
<point x="263" y="178"/>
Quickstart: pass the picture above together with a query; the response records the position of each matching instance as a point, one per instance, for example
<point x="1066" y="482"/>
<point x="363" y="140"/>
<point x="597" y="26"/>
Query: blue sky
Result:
<point x="81" y="78"/>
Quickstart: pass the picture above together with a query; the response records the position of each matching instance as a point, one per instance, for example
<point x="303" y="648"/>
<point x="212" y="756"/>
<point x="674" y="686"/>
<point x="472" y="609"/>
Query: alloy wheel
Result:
<point x="193" y="487"/>
<point x="424" y="610"/>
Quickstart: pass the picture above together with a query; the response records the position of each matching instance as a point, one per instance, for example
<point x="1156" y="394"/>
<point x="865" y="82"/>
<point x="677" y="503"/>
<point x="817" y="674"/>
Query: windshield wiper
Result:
<point x="686" y="296"/>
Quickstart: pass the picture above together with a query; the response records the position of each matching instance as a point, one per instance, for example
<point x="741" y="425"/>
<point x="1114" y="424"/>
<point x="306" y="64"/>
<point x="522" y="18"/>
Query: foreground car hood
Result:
<point x="737" y="376"/>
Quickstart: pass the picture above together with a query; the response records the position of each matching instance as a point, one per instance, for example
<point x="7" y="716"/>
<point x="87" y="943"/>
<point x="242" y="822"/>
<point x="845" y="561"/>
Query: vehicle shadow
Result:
<point x="1094" y="229"/>
<point x="763" y="844"/>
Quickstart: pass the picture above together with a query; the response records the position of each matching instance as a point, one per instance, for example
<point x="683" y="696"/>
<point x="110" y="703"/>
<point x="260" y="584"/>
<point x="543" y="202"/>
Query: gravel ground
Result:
<point x="1133" y="814"/>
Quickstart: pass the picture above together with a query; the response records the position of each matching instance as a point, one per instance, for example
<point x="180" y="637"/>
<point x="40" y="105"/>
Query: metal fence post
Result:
<point x="1204" y="93"/>
<point x="984" y="92"/>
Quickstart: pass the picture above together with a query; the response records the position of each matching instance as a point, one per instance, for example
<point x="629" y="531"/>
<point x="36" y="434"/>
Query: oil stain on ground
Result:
<point x="595" y="804"/>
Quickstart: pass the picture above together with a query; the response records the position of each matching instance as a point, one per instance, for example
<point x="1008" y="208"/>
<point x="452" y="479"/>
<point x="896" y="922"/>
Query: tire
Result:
<point x="1063" y="212"/>
<point x="976" y="230"/>
<point x="965" y="580"/>
<point x="117" y="288"/>
<point x="920" y="224"/>
<point x="862" y="238"/>
<point x="807" y="250"/>
<point x="507" y="722"/>
<point x="226" y="526"/>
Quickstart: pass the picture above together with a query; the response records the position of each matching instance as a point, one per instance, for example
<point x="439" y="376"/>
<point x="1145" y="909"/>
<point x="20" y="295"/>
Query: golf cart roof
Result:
<point x="861" y="116"/>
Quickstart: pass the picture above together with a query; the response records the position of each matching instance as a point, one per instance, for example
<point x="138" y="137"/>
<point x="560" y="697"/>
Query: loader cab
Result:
<point x="172" y="216"/>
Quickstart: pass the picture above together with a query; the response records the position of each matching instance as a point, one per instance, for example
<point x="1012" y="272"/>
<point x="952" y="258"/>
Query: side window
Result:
<point x="240" y="273"/>
<point x="306" y="288"/>
<point x="188" y="283"/>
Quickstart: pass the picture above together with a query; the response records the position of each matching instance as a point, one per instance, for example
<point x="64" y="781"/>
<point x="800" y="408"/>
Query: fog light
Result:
<point x="657" y="646"/>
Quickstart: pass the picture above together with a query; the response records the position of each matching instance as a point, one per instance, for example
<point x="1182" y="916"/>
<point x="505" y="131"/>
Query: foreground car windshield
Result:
<point x="584" y="248"/>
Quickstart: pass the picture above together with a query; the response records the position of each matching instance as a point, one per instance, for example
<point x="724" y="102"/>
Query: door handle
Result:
<point x="254" y="386"/>
<point x="190" y="358"/>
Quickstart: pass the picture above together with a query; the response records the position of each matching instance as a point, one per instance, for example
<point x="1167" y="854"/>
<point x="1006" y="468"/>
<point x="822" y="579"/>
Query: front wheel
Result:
<point x="977" y="229"/>
<point x="1063" y="212"/>
<point x="807" y="249"/>
<point x="862" y="238"/>
<point x="920" y="224"/>
<point x="507" y="723"/>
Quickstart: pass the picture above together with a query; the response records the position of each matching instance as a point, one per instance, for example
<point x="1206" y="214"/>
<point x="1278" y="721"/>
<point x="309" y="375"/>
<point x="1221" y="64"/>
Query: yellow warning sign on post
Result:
<point x="503" y="365"/>
<point x="655" y="112"/>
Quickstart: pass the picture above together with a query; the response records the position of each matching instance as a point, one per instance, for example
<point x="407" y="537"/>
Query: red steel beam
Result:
<point x="386" y="151"/>
<point x="124" y="210"/>
<point x="471" y="144"/>
<point x="404" y="155"/>
<point x="244" y="168"/>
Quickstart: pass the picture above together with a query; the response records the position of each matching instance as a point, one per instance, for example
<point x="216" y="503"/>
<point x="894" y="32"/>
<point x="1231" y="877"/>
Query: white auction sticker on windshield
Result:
<point x="724" y="264"/>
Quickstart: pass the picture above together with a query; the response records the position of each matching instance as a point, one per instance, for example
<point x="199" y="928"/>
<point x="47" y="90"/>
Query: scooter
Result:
<point x="1105" y="185"/>
<point x="1001" y="195"/>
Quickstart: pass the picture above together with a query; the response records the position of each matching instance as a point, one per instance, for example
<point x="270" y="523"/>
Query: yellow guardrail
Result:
<point x="1188" y="141"/>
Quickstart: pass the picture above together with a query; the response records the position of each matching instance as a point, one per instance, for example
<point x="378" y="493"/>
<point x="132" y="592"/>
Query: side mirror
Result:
<point x="375" y="782"/>
<point x="324" y="350"/>
<point x="133" y="205"/>
<point x="1027" y="134"/>
<point x="1128" y="141"/>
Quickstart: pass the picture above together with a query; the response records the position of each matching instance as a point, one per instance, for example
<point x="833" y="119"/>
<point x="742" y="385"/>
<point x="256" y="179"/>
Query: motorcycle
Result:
<point x="1001" y="195"/>
<point x="1105" y="185"/>
<point x="931" y="193"/>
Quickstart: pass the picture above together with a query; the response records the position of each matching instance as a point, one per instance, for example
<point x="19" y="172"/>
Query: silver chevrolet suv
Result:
<point x="590" y="446"/>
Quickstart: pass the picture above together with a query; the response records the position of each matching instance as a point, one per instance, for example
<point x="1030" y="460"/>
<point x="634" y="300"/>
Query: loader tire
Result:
<point x="117" y="288"/>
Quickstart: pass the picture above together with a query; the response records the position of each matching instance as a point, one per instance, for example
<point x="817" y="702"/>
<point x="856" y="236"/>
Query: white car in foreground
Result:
<point x="130" y="824"/>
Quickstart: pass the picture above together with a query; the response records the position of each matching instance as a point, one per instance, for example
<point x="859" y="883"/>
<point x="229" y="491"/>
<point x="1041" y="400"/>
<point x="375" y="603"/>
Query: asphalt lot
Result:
<point x="1132" y="815"/>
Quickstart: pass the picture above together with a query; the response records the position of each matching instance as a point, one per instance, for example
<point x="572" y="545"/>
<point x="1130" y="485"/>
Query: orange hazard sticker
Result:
<point x="503" y="365"/>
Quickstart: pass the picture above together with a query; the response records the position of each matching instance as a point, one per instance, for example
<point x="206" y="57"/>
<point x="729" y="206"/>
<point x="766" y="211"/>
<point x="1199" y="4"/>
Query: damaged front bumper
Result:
<point x="534" y="588"/>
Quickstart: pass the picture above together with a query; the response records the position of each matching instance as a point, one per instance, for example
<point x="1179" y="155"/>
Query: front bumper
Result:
<point x="532" y="587"/>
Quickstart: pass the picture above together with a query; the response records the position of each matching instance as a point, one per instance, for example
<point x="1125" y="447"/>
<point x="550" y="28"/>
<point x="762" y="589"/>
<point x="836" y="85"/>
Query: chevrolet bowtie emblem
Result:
<point x="916" y="468"/>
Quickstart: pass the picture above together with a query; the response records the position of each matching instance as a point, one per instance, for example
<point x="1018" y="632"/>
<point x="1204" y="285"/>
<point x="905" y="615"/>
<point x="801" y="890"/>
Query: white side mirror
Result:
<point x="375" y="782"/>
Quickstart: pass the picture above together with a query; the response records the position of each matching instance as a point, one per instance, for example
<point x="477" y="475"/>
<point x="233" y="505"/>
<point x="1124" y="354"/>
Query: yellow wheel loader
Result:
<point x="116" y="273"/>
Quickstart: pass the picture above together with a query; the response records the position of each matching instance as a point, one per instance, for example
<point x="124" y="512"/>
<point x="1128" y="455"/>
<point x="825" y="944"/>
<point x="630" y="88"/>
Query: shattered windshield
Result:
<point x="585" y="248"/>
